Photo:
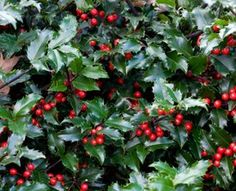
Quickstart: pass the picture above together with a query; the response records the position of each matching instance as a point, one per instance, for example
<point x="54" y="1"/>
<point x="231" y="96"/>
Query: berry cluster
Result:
<point x="225" y="97"/>
<point x="222" y="152"/>
<point x="95" y="137"/>
<point x="95" y="16"/>
<point x="145" y="129"/>
<point x="25" y="175"/>
<point x="56" y="178"/>
<point x="39" y="109"/>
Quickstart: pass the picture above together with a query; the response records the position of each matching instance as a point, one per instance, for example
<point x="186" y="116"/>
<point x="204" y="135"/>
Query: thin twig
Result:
<point x="53" y="165"/>
<point x="232" y="11"/>
<point x="194" y="34"/>
<point x="15" y="78"/>
<point x="131" y="6"/>
<point x="68" y="78"/>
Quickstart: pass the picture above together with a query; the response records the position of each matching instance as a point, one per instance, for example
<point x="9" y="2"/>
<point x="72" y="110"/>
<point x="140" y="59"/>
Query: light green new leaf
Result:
<point x="24" y="105"/>
<point x="94" y="72"/>
<point x="193" y="174"/>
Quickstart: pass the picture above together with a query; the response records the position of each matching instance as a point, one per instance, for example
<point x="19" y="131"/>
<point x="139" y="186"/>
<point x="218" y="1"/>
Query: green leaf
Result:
<point x="94" y="72"/>
<point x="176" y="61"/>
<point x="161" y="143"/>
<point x="31" y="153"/>
<point x="131" y="160"/>
<point x="164" y="168"/>
<point x="57" y="59"/>
<point x="191" y="102"/>
<point x="193" y="174"/>
<point x="68" y="30"/>
<point x="96" y="151"/>
<point x="34" y="187"/>
<point x="55" y="144"/>
<point x="161" y="184"/>
<point x="17" y="126"/>
<point x="120" y="124"/>
<point x="167" y="2"/>
<point x="112" y="133"/>
<point x="84" y="4"/>
<point x="24" y="105"/>
<point x="224" y="64"/>
<point x="221" y="136"/>
<point x="5" y="113"/>
<point x="51" y="117"/>
<point x="8" y="43"/>
<point x="219" y="118"/>
<point x="70" y="134"/>
<point x="97" y="109"/>
<point x="155" y="50"/>
<point x="198" y="64"/>
<point x="131" y="45"/>
<point x="141" y="153"/>
<point x="70" y="161"/>
<point x="165" y="91"/>
<point x="37" y="48"/>
<point x="202" y="17"/>
<point x="85" y="84"/>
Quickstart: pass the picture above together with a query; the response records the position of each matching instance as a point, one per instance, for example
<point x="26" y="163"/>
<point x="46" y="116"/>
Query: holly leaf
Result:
<point x="94" y="72"/>
<point x="24" y="105"/>
<point x="97" y="151"/>
<point x="119" y="123"/>
<point x="31" y="153"/>
<point x="70" y="134"/>
<point x="70" y="161"/>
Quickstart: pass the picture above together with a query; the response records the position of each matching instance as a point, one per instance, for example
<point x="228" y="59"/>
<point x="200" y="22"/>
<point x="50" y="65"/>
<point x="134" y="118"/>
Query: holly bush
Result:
<point x="117" y="95"/>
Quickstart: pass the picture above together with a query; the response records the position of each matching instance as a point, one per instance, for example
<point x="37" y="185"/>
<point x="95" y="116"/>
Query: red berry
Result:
<point x="53" y="181"/>
<point x="84" y="186"/>
<point x="34" y="121"/>
<point x="84" y="107"/>
<point x="152" y="137"/>
<point x="188" y="126"/>
<point x="79" y="12"/>
<point x="93" y="142"/>
<point x="30" y="166"/>
<point x="207" y="101"/>
<point x="137" y="94"/>
<point x="84" y="17"/>
<point x="138" y="132"/>
<point x="81" y="94"/>
<point x="233" y="96"/>
<point x="216" y="163"/>
<point x="225" y="96"/>
<point x="144" y="125"/>
<point x="94" y="12"/>
<point x="92" y="43"/>
<point x="85" y="140"/>
<point x="216" y="51"/>
<point x="216" y="28"/>
<point x="20" y="181"/>
<point x="99" y="128"/>
<point x="217" y="156"/>
<point x="93" y="22"/>
<point x="228" y="152"/>
<point x="161" y="112"/>
<point x="179" y="117"/>
<point x="136" y="85"/>
<point x="225" y="51"/>
<point x="26" y="174"/>
<point x="128" y="55"/>
<point x="199" y="40"/>
<point x="102" y="14"/>
<point x="232" y="145"/>
<point x="160" y="134"/>
<point x="221" y="150"/>
<point x="147" y="132"/>
<point x="116" y="42"/>
<point x="178" y="122"/>
<point x="99" y="140"/>
<point x="217" y="104"/>
<point x="50" y="175"/>
<point x="52" y="104"/>
<point x="47" y="107"/>
<point x="110" y="18"/>
<point x="13" y="172"/>
<point x="93" y="131"/>
<point x="60" y="177"/>
<point x="4" y="144"/>
<point x="204" y="153"/>
<point x="39" y="112"/>
<point x="234" y="162"/>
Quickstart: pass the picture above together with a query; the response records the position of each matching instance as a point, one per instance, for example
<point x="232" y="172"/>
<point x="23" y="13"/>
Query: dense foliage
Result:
<point x="117" y="95"/>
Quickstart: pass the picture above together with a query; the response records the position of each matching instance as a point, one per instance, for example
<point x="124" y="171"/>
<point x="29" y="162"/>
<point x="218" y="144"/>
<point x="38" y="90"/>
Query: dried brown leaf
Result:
<point x="6" y="65"/>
